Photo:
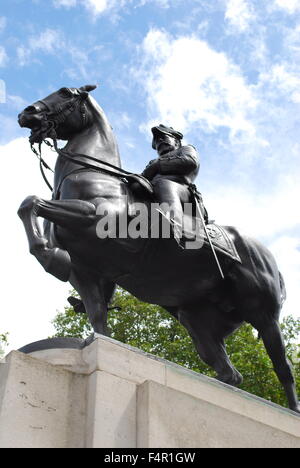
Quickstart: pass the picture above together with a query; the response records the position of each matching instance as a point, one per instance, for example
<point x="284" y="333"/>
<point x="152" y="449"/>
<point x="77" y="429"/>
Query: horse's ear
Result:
<point x="88" y="88"/>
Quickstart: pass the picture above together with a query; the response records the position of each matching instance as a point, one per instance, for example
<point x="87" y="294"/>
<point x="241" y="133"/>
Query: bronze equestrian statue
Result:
<point x="88" y="180"/>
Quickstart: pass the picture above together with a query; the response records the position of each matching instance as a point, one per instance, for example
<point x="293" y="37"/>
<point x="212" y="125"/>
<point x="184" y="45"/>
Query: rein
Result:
<point x="110" y="169"/>
<point x="43" y="164"/>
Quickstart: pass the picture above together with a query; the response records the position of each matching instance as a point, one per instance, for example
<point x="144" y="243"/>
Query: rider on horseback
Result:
<point x="172" y="174"/>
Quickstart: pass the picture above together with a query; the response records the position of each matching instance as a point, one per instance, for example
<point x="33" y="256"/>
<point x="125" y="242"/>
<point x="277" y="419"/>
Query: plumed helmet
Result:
<point x="162" y="129"/>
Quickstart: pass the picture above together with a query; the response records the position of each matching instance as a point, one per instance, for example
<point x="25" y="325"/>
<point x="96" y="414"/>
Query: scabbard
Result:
<point x="198" y="208"/>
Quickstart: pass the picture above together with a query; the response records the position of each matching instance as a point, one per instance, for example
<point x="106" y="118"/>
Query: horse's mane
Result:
<point x="105" y="125"/>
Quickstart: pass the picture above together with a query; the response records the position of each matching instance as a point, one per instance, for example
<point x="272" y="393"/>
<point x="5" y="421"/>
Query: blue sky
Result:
<point x="225" y="72"/>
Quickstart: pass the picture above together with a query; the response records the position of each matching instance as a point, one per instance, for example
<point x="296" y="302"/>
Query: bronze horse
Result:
<point x="185" y="282"/>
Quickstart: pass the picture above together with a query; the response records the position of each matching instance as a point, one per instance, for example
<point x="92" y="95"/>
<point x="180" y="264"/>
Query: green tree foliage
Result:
<point x="3" y="343"/>
<point x="150" y="328"/>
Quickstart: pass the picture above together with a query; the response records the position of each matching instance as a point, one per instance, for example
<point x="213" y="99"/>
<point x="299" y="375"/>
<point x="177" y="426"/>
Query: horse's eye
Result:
<point x="65" y="92"/>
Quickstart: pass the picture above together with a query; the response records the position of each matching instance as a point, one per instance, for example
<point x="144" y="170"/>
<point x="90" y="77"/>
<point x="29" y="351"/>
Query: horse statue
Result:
<point x="90" y="184"/>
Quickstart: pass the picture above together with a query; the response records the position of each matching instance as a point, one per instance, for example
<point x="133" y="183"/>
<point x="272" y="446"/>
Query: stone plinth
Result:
<point x="114" y="396"/>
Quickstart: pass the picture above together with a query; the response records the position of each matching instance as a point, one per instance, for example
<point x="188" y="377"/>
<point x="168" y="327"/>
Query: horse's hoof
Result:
<point x="57" y="262"/>
<point x="77" y="305"/>
<point x="296" y="409"/>
<point x="235" y="378"/>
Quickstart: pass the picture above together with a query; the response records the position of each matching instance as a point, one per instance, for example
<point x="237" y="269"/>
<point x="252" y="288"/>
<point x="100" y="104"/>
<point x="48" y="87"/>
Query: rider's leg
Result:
<point x="171" y="195"/>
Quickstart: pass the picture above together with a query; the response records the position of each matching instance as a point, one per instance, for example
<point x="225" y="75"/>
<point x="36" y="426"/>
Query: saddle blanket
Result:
<point x="222" y="241"/>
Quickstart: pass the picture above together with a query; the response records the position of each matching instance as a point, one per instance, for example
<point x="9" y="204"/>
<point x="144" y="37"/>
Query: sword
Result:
<point x="206" y="233"/>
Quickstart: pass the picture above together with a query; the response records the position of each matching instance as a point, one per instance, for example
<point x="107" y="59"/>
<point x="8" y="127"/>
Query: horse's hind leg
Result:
<point x="209" y="342"/>
<point x="213" y="352"/>
<point x="273" y="341"/>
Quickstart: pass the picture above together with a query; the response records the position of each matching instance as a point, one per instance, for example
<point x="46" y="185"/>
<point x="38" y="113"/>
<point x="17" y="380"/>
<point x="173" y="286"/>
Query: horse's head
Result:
<point x="58" y="116"/>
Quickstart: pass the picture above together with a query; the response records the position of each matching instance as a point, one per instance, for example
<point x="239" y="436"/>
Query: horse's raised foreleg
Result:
<point x="65" y="213"/>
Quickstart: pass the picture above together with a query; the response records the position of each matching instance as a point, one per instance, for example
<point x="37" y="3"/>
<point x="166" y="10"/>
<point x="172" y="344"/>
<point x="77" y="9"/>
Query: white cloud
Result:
<point x="23" y="55"/>
<point x="48" y="41"/>
<point x="290" y="6"/>
<point x="65" y="3"/>
<point x="95" y="7"/>
<point x="284" y="79"/>
<point x="264" y="215"/>
<point x="3" y="57"/>
<point x="99" y="6"/>
<point x="53" y="42"/>
<point x="188" y="84"/>
<point x="239" y="14"/>
<point x="292" y="43"/>
<point x="80" y="60"/>
<point x="286" y="250"/>
<point x="122" y="120"/>
<point x="159" y="3"/>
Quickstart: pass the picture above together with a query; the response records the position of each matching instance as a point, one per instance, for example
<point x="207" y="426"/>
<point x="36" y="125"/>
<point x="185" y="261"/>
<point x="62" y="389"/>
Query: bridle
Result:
<point x="51" y="118"/>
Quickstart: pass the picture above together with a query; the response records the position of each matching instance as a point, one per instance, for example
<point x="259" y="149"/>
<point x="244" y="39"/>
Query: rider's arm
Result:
<point x="152" y="169"/>
<point x="183" y="162"/>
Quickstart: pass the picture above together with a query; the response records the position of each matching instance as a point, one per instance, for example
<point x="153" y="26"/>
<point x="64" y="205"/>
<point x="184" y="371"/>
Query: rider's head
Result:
<point x="165" y="139"/>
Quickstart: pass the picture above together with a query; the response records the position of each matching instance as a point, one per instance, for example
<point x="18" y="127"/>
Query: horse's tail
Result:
<point x="282" y="288"/>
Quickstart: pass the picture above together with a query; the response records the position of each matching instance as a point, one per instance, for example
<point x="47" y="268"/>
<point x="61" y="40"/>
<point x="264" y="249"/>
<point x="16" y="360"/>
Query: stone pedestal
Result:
<point x="114" y="396"/>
